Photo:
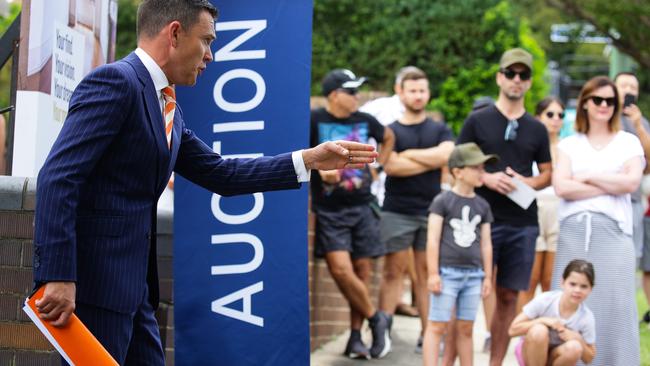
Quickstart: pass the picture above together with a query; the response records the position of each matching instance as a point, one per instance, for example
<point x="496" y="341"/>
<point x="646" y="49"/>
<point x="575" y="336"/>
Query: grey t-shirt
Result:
<point x="460" y="242"/>
<point x="548" y="305"/>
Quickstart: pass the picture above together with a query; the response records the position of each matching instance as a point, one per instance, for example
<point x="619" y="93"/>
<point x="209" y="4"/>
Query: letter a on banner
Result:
<point x="240" y="263"/>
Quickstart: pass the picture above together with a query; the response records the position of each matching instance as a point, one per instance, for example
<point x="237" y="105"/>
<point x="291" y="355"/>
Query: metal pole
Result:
<point x="14" y="82"/>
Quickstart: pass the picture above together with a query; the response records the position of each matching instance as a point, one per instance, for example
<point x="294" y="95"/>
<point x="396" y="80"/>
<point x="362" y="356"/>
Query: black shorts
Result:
<point x="513" y="253"/>
<point x="354" y="229"/>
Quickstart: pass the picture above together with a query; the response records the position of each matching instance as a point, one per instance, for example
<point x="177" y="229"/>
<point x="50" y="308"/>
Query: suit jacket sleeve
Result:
<point x="98" y="108"/>
<point x="199" y="164"/>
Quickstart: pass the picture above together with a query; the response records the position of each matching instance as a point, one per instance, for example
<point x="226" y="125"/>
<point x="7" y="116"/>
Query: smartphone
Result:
<point x="628" y="99"/>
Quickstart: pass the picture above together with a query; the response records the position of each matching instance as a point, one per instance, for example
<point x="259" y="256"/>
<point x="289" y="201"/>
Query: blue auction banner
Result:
<point x="240" y="263"/>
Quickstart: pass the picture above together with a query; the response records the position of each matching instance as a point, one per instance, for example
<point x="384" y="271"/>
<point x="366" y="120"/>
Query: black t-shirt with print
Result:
<point x="486" y="127"/>
<point x="354" y="187"/>
<point x="412" y="195"/>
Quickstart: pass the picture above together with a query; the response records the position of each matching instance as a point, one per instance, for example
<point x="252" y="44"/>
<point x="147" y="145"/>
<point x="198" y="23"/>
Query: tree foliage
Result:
<point x="460" y="89"/>
<point x="458" y="43"/>
<point x="127" y="13"/>
<point x="627" y="22"/>
<point x="377" y="37"/>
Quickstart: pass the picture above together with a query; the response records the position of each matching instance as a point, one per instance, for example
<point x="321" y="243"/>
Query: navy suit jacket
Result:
<point x="98" y="189"/>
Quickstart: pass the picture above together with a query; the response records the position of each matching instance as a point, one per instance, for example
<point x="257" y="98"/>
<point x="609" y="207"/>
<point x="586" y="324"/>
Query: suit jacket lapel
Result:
<point x="155" y="119"/>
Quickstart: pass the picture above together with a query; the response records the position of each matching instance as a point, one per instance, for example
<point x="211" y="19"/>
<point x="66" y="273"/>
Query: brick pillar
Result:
<point x="165" y="312"/>
<point x="21" y="343"/>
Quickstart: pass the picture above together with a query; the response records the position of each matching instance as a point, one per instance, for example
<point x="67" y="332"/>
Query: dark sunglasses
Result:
<point x="349" y="91"/>
<point x="550" y="114"/>
<point x="510" y="74"/>
<point x="599" y="100"/>
<point x="511" y="130"/>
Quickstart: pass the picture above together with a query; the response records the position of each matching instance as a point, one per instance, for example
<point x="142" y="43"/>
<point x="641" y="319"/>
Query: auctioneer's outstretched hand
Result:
<point x="339" y="154"/>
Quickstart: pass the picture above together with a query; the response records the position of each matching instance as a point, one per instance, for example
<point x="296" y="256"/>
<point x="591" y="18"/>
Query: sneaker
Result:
<point x="441" y="348"/>
<point x="418" y="346"/>
<point x="487" y="343"/>
<point x="356" y="349"/>
<point x="646" y="317"/>
<point x="380" y="335"/>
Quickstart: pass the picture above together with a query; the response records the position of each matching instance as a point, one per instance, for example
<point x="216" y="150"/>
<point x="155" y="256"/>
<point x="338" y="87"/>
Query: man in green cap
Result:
<point x="506" y="129"/>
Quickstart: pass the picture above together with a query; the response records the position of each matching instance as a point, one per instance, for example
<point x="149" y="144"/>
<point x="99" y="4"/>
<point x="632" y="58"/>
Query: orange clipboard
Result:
<point x="74" y="342"/>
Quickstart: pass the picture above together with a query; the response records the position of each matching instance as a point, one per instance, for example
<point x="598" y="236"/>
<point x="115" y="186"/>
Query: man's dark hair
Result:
<point x="412" y="73"/>
<point x="153" y="15"/>
<point x="630" y="73"/>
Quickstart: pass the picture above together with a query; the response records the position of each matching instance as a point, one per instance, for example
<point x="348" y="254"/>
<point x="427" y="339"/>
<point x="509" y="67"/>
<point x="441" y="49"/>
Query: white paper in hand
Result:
<point x="523" y="195"/>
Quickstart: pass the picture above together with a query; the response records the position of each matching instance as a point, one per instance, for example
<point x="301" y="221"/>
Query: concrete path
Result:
<point x="405" y="333"/>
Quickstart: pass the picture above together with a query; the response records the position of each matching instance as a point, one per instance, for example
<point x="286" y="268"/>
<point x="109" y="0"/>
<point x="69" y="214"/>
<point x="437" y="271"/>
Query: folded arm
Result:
<point x="569" y="188"/>
<point x="398" y="166"/>
<point x="432" y="157"/>
<point x="625" y="181"/>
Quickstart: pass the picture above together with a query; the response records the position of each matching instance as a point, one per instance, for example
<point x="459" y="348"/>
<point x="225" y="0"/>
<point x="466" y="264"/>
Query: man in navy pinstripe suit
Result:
<point x="95" y="247"/>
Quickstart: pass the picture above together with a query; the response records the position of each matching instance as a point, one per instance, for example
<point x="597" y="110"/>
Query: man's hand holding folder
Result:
<point x="70" y="337"/>
<point x="57" y="303"/>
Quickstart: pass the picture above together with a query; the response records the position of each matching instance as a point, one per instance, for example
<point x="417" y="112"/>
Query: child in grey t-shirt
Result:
<point x="557" y="325"/>
<point x="459" y="253"/>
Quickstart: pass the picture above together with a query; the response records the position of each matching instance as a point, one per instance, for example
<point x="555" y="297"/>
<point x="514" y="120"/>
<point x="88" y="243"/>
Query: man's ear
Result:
<point x="174" y="29"/>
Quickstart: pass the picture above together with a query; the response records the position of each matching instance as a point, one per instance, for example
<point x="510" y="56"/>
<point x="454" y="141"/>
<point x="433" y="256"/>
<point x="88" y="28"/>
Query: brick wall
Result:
<point x="22" y="344"/>
<point x="20" y="341"/>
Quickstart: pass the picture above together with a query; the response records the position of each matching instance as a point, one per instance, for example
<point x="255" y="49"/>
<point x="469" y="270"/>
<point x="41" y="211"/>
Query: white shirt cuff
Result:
<point x="299" y="165"/>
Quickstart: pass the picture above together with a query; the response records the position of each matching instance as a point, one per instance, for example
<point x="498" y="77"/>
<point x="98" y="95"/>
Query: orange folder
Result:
<point x="74" y="342"/>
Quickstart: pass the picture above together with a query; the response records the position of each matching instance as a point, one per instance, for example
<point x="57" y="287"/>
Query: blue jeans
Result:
<point x="461" y="289"/>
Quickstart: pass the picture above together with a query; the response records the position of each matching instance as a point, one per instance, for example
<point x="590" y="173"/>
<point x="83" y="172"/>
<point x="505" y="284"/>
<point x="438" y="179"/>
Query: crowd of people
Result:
<point x="488" y="216"/>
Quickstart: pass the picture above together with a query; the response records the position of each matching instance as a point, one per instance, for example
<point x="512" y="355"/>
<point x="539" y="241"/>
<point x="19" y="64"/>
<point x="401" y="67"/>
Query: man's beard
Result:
<point x="514" y="97"/>
<point x="412" y="110"/>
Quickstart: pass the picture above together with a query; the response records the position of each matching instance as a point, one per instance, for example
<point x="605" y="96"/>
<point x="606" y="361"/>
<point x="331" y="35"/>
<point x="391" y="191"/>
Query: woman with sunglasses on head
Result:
<point x="596" y="170"/>
<point x="549" y="111"/>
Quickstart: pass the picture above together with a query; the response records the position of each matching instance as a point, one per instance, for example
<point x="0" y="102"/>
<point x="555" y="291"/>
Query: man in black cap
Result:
<point x="506" y="129"/>
<point x="347" y="228"/>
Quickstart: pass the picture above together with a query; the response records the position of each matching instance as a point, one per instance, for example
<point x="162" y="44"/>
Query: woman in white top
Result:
<point x="596" y="170"/>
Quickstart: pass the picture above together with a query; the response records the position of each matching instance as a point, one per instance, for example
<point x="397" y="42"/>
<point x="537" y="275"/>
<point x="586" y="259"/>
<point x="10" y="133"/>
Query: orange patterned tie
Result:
<point x="168" y="112"/>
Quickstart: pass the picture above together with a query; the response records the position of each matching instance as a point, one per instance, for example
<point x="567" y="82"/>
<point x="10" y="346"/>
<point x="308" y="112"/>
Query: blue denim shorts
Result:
<point x="461" y="289"/>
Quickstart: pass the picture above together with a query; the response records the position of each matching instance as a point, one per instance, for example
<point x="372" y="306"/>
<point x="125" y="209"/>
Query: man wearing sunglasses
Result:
<point x="633" y="121"/>
<point x="347" y="227"/>
<point x="506" y="129"/>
